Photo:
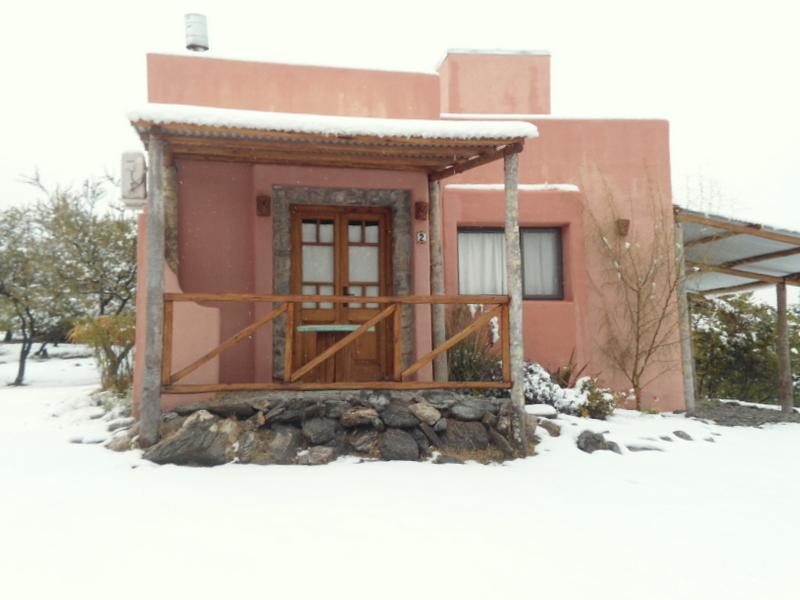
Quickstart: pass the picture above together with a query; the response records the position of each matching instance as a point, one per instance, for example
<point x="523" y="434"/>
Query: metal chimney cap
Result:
<point x="196" y="32"/>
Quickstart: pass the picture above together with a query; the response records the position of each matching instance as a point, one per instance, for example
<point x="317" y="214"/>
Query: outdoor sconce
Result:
<point x="421" y="211"/>
<point x="623" y="227"/>
<point x="263" y="206"/>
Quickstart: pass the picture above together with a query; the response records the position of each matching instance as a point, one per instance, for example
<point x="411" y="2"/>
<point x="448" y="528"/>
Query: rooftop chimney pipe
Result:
<point x="196" y="32"/>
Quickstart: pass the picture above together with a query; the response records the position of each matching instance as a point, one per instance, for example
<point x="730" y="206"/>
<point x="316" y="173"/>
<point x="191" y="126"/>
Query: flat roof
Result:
<point x="727" y="255"/>
<point x="438" y="147"/>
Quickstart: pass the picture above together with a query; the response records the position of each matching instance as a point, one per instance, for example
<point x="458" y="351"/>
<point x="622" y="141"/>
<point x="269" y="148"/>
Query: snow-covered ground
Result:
<point x="698" y="520"/>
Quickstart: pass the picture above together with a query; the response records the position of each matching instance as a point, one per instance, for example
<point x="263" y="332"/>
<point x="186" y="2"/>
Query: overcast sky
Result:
<point x="725" y="74"/>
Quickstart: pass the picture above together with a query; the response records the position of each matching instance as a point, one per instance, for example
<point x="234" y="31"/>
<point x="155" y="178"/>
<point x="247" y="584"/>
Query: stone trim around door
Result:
<point x="284" y="197"/>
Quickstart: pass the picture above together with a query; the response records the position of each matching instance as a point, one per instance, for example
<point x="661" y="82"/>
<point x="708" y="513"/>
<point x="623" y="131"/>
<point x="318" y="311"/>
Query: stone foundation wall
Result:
<point x="260" y="429"/>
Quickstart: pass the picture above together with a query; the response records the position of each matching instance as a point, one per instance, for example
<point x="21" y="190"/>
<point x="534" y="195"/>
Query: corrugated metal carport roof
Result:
<point x="725" y="255"/>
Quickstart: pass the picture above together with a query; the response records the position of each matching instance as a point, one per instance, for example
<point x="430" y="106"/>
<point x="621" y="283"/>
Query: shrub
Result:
<point x="566" y="376"/>
<point x="475" y="358"/>
<point x="586" y="399"/>
<point x="111" y="339"/>
<point x="600" y="402"/>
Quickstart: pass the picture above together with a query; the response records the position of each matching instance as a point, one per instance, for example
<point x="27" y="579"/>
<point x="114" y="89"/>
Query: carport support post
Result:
<point x="150" y="405"/>
<point x="784" y="359"/>
<point x="437" y="279"/>
<point x="684" y="324"/>
<point x="514" y="286"/>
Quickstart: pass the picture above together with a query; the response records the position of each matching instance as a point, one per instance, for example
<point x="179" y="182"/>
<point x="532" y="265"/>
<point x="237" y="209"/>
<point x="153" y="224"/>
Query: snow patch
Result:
<point x="522" y="187"/>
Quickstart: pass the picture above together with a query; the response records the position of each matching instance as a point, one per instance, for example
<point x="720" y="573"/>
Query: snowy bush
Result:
<point x="586" y="399"/>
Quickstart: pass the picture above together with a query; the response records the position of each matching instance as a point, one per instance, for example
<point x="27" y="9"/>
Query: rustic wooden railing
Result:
<point x="287" y="305"/>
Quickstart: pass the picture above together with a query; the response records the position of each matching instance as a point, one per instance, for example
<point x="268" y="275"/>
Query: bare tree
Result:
<point x="639" y="283"/>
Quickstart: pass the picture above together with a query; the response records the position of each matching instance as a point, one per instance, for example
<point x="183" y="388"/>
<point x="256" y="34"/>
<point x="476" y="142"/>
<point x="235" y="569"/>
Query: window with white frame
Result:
<point x="482" y="262"/>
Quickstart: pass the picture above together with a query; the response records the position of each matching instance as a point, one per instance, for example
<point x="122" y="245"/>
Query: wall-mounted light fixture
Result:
<point x="263" y="205"/>
<point x="421" y="211"/>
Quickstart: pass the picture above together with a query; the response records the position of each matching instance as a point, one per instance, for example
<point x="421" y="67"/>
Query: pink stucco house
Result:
<point x="277" y="185"/>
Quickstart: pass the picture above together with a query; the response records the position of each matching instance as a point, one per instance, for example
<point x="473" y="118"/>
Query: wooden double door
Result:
<point x="341" y="251"/>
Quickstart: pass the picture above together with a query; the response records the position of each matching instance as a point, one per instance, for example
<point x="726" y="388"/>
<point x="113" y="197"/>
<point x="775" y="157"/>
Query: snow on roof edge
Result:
<point x="540" y="117"/>
<point x="523" y="187"/>
<point x="330" y="124"/>
<point x="737" y="221"/>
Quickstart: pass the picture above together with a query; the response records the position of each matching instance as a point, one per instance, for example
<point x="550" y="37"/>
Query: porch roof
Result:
<point x="726" y="255"/>
<point x="437" y="147"/>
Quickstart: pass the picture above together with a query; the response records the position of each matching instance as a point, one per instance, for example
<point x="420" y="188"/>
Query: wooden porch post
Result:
<point x="685" y="328"/>
<point x="437" y="280"/>
<point x="153" y="322"/>
<point x="514" y="285"/>
<point x="784" y="358"/>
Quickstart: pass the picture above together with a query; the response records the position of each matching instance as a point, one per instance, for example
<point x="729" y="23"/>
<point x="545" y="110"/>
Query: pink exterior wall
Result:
<point x="502" y="83"/>
<point x="290" y="88"/>
<point x="627" y="157"/>
<point x="553" y="329"/>
<point x="225" y="247"/>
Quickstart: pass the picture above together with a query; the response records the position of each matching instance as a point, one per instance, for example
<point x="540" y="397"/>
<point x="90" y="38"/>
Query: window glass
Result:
<point x="363" y="263"/>
<point x="318" y="263"/>
<point x="541" y="262"/>
<point x="482" y="262"/>
<point x="326" y="232"/>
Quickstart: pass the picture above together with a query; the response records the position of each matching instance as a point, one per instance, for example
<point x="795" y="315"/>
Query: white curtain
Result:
<point x="540" y="262"/>
<point x="481" y="262"/>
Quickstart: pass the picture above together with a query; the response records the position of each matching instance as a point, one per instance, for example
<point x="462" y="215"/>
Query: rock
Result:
<point x="425" y="413"/>
<point x="554" y="429"/>
<point x="421" y="439"/>
<point x="430" y="434"/>
<point x="614" y="447"/>
<point x="666" y="438"/>
<point x="120" y="442"/>
<point x="643" y="448"/>
<point x="589" y="441"/>
<point x="711" y="439"/>
<point x="378" y="401"/>
<point x="364" y="441"/>
<point x="258" y="419"/>
<point x="120" y="423"/>
<point x="440" y="426"/>
<point x="240" y="410"/>
<point x="542" y="410"/>
<point x="465" y="435"/>
<point x="169" y="424"/>
<point x="503" y="424"/>
<point x="294" y="411"/>
<point x="396" y="444"/>
<point x="334" y="409"/>
<point x="682" y="435"/>
<point x="202" y="440"/>
<point x="278" y="445"/>
<point x="398" y="415"/>
<point x="317" y="455"/>
<point x="472" y="409"/>
<point x="501" y="443"/>
<point x="319" y="430"/>
<point x="283" y="443"/>
<point x="88" y="439"/>
<point x="442" y="400"/>
<point x="358" y="417"/>
<point x="531" y="422"/>
<point x="489" y="419"/>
